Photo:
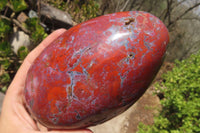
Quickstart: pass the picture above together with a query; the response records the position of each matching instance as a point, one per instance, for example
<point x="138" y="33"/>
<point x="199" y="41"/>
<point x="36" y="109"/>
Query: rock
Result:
<point x="22" y="17"/>
<point x="54" y="17"/>
<point x="184" y="41"/>
<point x="1" y="100"/>
<point x="142" y="111"/>
<point x="32" y="14"/>
<point x="19" y="39"/>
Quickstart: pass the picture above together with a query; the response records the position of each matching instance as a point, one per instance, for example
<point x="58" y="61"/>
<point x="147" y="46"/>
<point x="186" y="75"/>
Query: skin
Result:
<point x="14" y="116"/>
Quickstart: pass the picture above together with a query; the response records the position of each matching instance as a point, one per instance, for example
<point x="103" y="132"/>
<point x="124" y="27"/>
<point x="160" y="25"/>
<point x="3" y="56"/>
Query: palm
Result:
<point x="15" y="114"/>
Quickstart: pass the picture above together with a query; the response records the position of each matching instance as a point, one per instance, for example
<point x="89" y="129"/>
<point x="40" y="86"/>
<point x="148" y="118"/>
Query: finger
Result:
<point x="72" y="131"/>
<point x="41" y="127"/>
<point x="45" y="130"/>
<point x="68" y="131"/>
<point x="19" y="80"/>
<point x="14" y="96"/>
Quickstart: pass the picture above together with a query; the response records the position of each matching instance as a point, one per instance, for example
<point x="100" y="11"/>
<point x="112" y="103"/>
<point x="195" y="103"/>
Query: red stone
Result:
<point x="96" y="70"/>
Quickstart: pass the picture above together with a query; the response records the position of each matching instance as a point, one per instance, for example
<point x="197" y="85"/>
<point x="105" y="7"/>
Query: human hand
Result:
<point x="14" y="116"/>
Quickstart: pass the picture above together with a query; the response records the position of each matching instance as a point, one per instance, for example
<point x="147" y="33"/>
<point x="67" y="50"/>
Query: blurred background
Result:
<point x="172" y="102"/>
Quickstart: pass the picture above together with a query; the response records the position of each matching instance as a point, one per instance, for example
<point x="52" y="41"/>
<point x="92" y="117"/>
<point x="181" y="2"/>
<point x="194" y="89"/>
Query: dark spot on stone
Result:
<point x="54" y="120"/>
<point x="78" y="117"/>
<point x="129" y="21"/>
<point x="69" y="91"/>
<point x="131" y="55"/>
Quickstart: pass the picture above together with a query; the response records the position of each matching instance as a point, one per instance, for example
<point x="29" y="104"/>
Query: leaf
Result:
<point x="2" y="4"/>
<point x="22" y="52"/>
<point x="5" y="49"/>
<point x="5" y="63"/>
<point x="181" y="103"/>
<point x="4" y="78"/>
<point x="38" y="33"/>
<point x="18" y="5"/>
<point x="4" y="88"/>
<point x="4" y="28"/>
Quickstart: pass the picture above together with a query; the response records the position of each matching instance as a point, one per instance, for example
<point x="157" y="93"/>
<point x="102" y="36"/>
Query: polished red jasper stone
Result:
<point x="95" y="70"/>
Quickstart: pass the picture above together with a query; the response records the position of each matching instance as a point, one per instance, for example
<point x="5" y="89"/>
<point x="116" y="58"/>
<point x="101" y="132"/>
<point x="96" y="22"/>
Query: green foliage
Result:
<point x="80" y="10"/>
<point x="181" y="103"/>
<point x="60" y="4"/>
<point x="2" y="4"/>
<point x="9" y="61"/>
<point x="22" y="52"/>
<point x="18" y="5"/>
<point x="5" y="78"/>
<point x="5" y="53"/>
<point x="84" y="10"/>
<point x="5" y="49"/>
<point x="37" y="31"/>
<point x="4" y="28"/>
<point x="5" y="63"/>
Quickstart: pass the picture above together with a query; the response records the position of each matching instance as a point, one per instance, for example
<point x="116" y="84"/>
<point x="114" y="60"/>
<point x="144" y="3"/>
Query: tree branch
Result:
<point x="177" y="4"/>
<point x="125" y="5"/>
<point x="139" y="7"/>
<point x="17" y="23"/>
<point x="168" y="13"/>
<point x="183" y="14"/>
